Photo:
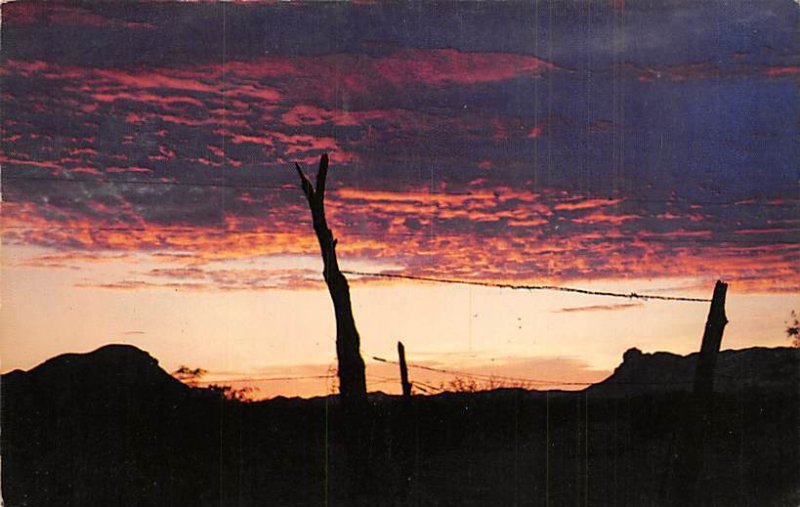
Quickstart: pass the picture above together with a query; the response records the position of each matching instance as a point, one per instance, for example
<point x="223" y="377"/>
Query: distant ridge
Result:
<point x="116" y="370"/>
<point x="754" y="368"/>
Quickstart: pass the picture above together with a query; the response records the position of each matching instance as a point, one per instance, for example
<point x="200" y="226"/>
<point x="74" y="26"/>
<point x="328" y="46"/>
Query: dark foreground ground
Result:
<point x="111" y="428"/>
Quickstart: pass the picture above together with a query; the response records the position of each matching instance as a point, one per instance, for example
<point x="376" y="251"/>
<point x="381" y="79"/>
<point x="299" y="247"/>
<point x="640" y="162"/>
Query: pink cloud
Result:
<point x="442" y="66"/>
<point x="26" y="13"/>
<point x="323" y="75"/>
<point x="133" y="169"/>
<point x="536" y="132"/>
<point x="241" y="138"/>
<point x="146" y="97"/>
<point x="586" y="204"/>
<point x="155" y="79"/>
<point x="782" y="71"/>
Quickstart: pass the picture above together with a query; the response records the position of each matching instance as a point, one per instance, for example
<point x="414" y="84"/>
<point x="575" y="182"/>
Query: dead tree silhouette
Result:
<point x="352" y="381"/>
<point x="359" y="481"/>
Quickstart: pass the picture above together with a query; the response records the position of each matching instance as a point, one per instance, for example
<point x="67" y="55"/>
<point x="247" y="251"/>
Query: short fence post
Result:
<point x="406" y="427"/>
<point x="401" y="351"/>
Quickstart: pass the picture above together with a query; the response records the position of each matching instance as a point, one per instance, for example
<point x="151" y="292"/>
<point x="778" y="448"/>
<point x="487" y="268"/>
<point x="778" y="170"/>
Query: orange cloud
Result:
<point x="495" y="234"/>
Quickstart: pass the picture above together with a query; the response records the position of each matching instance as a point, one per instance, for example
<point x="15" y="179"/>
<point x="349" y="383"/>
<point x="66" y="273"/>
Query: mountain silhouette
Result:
<point x="757" y="367"/>
<point x="87" y="429"/>
<point x="113" y="374"/>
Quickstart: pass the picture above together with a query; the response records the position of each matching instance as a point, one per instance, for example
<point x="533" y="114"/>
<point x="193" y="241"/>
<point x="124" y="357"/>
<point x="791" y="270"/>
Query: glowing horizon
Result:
<point x="290" y="332"/>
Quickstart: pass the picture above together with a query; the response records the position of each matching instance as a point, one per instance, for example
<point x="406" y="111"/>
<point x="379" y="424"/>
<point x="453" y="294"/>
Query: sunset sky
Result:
<point x="149" y="196"/>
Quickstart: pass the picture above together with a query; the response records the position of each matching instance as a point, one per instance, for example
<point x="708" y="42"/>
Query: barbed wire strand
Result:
<point x="455" y="373"/>
<point x="574" y="290"/>
<point x="528" y="380"/>
<point x="481" y="376"/>
<point x="260" y="379"/>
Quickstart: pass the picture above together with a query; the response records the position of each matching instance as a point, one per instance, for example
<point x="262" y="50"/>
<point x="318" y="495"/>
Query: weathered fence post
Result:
<point x="401" y="351"/>
<point x="712" y="339"/>
<point x="405" y="427"/>
<point x="689" y="487"/>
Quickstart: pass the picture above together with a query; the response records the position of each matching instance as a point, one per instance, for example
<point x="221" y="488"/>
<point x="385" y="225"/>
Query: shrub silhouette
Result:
<point x="793" y="329"/>
<point x="192" y="376"/>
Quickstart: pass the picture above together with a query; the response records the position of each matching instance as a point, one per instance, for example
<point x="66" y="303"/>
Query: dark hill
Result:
<point x="112" y="428"/>
<point x="91" y="429"/>
<point x="753" y="368"/>
<point x="113" y="374"/>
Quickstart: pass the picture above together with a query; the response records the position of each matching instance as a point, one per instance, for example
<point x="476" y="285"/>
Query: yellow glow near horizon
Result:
<point x="236" y="334"/>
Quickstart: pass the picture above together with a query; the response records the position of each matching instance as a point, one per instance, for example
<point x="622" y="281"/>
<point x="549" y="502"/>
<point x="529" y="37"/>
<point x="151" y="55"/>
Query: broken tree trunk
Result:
<point x="352" y="382"/>
<point x="401" y="351"/>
